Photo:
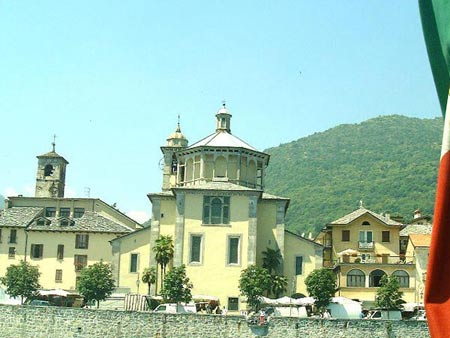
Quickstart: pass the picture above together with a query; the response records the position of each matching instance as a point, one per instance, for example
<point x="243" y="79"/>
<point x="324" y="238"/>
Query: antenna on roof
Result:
<point x="87" y="192"/>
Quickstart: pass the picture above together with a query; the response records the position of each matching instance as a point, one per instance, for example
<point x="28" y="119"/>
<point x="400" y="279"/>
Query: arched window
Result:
<point x="189" y="174"/>
<point x="173" y="168"/>
<point x="375" y="278"/>
<point x="216" y="210"/>
<point x="48" y="170"/>
<point x="365" y="223"/>
<point x="251" y="172"/>
<point x="220" y="167"/>
<point x="402" y="277"/>
<point x="356" y="278"/>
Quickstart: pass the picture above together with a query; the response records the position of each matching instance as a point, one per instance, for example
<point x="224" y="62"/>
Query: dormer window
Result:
<point x="64" y="222"/>
<point x="42" y="221"/>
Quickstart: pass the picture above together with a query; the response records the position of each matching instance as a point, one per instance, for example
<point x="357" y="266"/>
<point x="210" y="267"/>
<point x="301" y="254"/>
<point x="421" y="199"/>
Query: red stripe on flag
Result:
<point x="437" y="291"/>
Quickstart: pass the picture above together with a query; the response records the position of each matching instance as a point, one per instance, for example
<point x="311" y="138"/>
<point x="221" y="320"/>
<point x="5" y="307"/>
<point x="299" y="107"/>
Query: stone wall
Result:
<point x="54" y="322"/>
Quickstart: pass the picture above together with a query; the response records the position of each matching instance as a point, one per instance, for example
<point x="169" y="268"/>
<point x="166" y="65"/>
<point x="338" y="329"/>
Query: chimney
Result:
<point x="417" y="213"/>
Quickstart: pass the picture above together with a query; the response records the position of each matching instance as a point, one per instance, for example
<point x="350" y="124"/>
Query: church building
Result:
<point x="214" y="206"/>
<point x="59" y="235"/>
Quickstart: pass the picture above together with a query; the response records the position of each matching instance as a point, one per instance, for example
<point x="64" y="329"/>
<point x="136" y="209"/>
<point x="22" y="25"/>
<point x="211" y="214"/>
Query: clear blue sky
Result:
<point x="110" y="77"/>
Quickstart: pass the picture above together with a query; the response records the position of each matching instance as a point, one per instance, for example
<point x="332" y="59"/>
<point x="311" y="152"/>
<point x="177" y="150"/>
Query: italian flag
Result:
<point x="435" y="15"/>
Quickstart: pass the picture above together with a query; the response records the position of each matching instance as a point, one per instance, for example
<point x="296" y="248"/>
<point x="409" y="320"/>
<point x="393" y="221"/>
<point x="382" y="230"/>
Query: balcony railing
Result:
<point x="365" y="245"/>
<point x="376" y="259"/>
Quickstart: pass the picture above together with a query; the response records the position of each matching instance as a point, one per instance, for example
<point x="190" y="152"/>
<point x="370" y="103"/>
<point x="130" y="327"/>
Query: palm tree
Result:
<point x="271" y="259"/>
<point x="278" y="285"/>
<point x="164" y="253"/>
<point x="149" y="277"/>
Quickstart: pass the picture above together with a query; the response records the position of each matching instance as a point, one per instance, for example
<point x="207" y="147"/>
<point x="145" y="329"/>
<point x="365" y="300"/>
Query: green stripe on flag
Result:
<point x="435" y="15"/>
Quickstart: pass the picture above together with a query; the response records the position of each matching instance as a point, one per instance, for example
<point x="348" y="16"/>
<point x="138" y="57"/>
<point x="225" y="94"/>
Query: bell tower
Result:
<point x="51" y="174"/>
<point x="168" y="164"/>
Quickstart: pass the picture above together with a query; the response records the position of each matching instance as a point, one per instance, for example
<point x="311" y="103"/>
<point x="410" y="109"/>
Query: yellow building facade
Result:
<point x="58" y="235"/>
<point x="363" y="246"/>
<point x="221" y="220"/>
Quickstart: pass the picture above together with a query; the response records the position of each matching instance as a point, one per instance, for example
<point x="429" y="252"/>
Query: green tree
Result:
<point x="321" y="285"/>
<point x="149" y="277"/>
<point x="253" y="282"/>
<point x="271" y="260"/>
<point x="164" y="251"/>
<point x="278" y="285"/>
<point x="96" y="282"/>
<point x="21" y="280"/>
<point x="389" y="296"/>
<point x="177" y="286"/>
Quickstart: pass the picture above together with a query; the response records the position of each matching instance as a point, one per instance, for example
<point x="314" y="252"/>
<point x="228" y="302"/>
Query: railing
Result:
<point x="365" y="245"/>
<point x="376" y="259"/>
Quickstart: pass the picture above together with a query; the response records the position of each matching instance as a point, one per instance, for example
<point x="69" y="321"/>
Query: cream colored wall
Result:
<point x="167" y="222"/>
<point x="136" y="243"/>
<point x="368" y="293"/>
<point x="98" y="249"/>
<point x="421" y="262"/>
<point x="5" y="261"/>
<point x="376" y="227"/>
<point x="295" y="246"/>
<point x="213" y="276"/>
<point x="266" y="236"/>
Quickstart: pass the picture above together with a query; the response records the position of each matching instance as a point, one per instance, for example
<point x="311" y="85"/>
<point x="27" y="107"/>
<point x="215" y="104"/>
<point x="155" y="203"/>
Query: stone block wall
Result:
<point x="55" y="322"/>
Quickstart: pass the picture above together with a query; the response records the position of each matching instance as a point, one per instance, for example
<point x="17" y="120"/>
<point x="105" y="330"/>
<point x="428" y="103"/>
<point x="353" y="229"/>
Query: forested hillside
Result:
<point x="389" y="162"/>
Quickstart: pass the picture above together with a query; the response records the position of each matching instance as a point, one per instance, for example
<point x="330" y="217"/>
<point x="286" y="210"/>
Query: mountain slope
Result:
<point x="389" y="162"/>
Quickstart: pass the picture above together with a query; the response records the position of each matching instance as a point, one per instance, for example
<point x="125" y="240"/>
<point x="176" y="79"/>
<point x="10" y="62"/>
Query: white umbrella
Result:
<point x="55" y="292"/>
<point x="343" y="300"/>
<point x="348" y="252"/>
<point x="204" y="297"/>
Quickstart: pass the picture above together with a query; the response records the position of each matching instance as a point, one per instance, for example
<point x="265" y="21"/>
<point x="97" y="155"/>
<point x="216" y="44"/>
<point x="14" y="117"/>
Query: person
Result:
<point x="224" y="311"/>
<point x="327" y="314"/>
<point x="262" y="317"/>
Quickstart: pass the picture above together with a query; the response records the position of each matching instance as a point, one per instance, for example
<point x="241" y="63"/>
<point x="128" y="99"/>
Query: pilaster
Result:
<point x="154" y="234"/>
<point x="280" y="227"/>
<point x="179" y="229"/>
<point x="252" y="229"/>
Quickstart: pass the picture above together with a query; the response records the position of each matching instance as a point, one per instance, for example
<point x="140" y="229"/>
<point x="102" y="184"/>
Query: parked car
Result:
<point x="176" y="308"/>
<point x="38" y="302"/>
<point x="421" y="315"/>
<point x="385" y="314"/>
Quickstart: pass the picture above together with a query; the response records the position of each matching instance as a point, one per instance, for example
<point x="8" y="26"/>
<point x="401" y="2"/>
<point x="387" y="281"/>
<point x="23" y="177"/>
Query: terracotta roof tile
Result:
<point x="420" y="240"/>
